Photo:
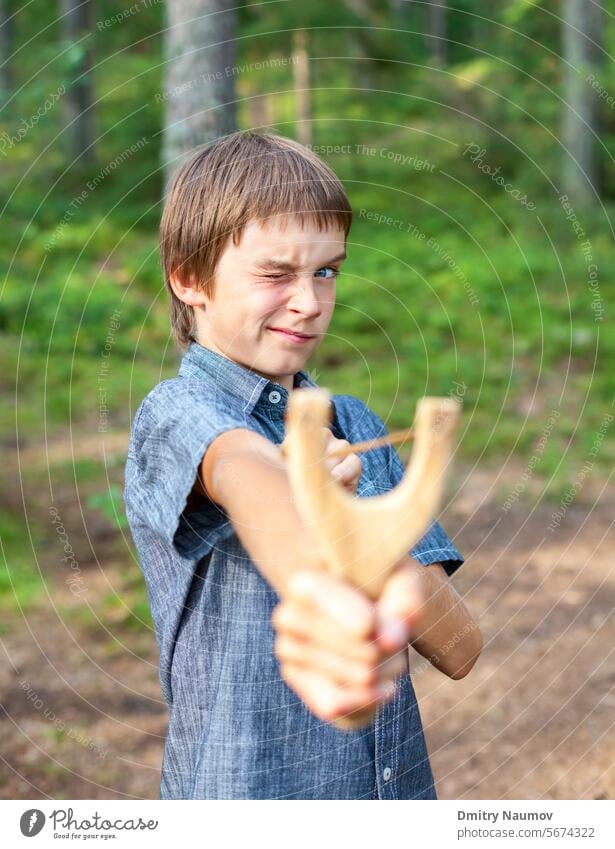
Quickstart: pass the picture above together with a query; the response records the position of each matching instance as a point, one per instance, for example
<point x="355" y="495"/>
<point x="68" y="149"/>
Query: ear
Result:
<point x="187" y="291"/>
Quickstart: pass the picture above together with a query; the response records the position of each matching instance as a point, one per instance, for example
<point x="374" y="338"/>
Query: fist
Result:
<point x="338" y="650"/>
<point x="346" y="469"/>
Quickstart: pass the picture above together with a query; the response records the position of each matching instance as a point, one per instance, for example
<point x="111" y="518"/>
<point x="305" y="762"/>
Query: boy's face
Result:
<point x="281" y="277"/>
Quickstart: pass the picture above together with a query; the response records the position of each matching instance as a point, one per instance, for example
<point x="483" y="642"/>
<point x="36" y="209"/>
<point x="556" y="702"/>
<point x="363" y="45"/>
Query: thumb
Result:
<point x="399" y="607"/>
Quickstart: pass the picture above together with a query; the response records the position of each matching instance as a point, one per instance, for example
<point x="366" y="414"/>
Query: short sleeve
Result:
<point x="435" y="546"/>
<point x="172" y="431"/>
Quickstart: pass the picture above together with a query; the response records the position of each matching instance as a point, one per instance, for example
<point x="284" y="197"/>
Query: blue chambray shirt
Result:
<point x="236" y="730"/>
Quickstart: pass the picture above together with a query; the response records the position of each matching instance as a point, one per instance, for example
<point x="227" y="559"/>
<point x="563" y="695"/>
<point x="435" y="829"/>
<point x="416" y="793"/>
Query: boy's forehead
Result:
<point x="290" y="236"/>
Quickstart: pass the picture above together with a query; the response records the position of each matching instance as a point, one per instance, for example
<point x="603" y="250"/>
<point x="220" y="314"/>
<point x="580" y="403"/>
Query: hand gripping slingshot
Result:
<point x="363" y="539"/>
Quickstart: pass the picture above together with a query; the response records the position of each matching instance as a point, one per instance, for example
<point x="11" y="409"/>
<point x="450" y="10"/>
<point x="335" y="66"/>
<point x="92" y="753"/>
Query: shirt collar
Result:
<point x="228" y="376"/>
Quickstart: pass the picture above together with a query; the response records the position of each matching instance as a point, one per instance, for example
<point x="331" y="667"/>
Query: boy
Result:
<point x="260" y="649"/>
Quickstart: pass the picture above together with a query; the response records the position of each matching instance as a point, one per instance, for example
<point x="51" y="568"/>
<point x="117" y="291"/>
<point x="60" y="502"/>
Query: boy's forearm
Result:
<point x="446" y="633"/>
<point x="254" y="489"/>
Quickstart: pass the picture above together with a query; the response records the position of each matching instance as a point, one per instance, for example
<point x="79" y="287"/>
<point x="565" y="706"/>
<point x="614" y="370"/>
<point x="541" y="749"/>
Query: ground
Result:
<point x="84" y="717"/>
<point x="534" y="719"/>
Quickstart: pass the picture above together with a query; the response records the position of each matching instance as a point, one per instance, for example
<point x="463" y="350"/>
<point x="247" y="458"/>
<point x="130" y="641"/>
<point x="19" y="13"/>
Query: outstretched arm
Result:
<point x="247" y="475"/>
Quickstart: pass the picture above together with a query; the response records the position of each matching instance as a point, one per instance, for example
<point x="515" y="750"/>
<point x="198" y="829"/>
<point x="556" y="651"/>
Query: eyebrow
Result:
<point x="282" y="265"/>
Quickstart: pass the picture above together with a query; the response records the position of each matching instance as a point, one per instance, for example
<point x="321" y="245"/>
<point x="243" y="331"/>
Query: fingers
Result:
<point x="399" y="607"/>
<point x="327" y="700"/>
<point x="347" y="608"/>
<point x="293" y="650"/>
<point x="354" y="672"/>
<point x="347" y="469"/>
<point x="311" y="627"/>
<point x="326" y="644"/>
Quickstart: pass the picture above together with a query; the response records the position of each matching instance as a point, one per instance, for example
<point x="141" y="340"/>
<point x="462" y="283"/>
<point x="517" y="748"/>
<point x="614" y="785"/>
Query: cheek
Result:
<point x="328" y="304"/>
<point x="267" y="301"/>
<point x="246" y="307"/>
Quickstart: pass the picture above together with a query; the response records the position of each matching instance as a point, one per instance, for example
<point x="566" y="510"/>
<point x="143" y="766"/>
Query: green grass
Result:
<point x="404" y="326"/>
<point x="21" y="584"/>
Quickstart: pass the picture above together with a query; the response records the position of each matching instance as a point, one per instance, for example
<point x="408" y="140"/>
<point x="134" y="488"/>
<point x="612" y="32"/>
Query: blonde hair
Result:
<point x="246" y="176"/>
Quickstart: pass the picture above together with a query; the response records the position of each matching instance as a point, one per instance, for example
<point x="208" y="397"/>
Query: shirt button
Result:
<point x="386" y="773"/>
<point x="274" y="396"/>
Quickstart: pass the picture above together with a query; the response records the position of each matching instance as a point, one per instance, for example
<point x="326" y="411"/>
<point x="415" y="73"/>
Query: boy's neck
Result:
<point x="285" y="380"/>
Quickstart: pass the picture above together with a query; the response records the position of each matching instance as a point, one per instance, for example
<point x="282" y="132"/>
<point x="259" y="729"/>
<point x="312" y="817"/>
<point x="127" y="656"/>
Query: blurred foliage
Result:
<point x="21" y="582"/>
<point x="497" y="302"/>
<point x="110" y="504"/>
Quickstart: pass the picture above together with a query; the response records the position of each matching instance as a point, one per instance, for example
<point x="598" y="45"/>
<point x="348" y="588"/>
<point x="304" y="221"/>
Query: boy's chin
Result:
<point x="278" y="350"/>
<point x="287" y="363"/>
<point x="281" y="364"/>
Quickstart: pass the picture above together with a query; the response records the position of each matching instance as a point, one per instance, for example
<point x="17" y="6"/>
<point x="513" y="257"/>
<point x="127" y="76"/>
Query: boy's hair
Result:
<point x="248" y="175"/>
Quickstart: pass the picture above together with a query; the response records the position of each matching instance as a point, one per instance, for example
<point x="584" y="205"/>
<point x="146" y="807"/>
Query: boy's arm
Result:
<point x="445" y="632"/>
<point x="245" y="473"/>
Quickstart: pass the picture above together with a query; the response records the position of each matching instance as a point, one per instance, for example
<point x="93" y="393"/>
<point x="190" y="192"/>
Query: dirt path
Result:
<point x="535" y="717"/>
<point x="84" y="717"/>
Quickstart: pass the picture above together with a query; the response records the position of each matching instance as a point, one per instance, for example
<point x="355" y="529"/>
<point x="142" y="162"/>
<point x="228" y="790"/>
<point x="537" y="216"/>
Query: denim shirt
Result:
<point x="236" y="730"/>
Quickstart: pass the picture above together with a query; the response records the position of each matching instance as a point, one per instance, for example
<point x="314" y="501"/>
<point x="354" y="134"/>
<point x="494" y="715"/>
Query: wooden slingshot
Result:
<point x="363" y="539"/>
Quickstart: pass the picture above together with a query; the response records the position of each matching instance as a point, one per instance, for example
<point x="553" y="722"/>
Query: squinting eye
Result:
<point x="334" y="271"/>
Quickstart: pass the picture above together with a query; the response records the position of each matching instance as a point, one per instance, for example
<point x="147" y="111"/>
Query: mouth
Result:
<point x="292" y="336"/>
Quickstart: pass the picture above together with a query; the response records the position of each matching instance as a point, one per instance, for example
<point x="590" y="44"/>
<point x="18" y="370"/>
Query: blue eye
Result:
<point x="334" y="271"/>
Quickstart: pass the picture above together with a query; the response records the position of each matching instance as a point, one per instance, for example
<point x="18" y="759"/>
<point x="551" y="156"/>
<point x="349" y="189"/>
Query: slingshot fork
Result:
<point x="363" y="539"/>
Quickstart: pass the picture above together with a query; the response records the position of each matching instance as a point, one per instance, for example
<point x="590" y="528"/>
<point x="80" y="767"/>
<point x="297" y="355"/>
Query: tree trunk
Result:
<point x="199" y="88"/>
<point x="301" y="70"/>
<point x="362" y="41"/>
<point x="399" y="9"/>
<point x="7" y="83"/>
<point x="436" y="41"/>
<point x="581" y="35"/>
<point x="77" y="29"/>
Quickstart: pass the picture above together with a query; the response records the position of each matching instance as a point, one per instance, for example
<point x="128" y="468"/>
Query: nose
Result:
<point x="303" y="298"/>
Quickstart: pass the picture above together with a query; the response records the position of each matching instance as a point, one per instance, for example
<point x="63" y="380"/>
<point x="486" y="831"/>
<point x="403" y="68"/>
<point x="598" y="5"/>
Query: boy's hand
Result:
<point x="346" y="469"/>
<point x="334" y="647"/>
